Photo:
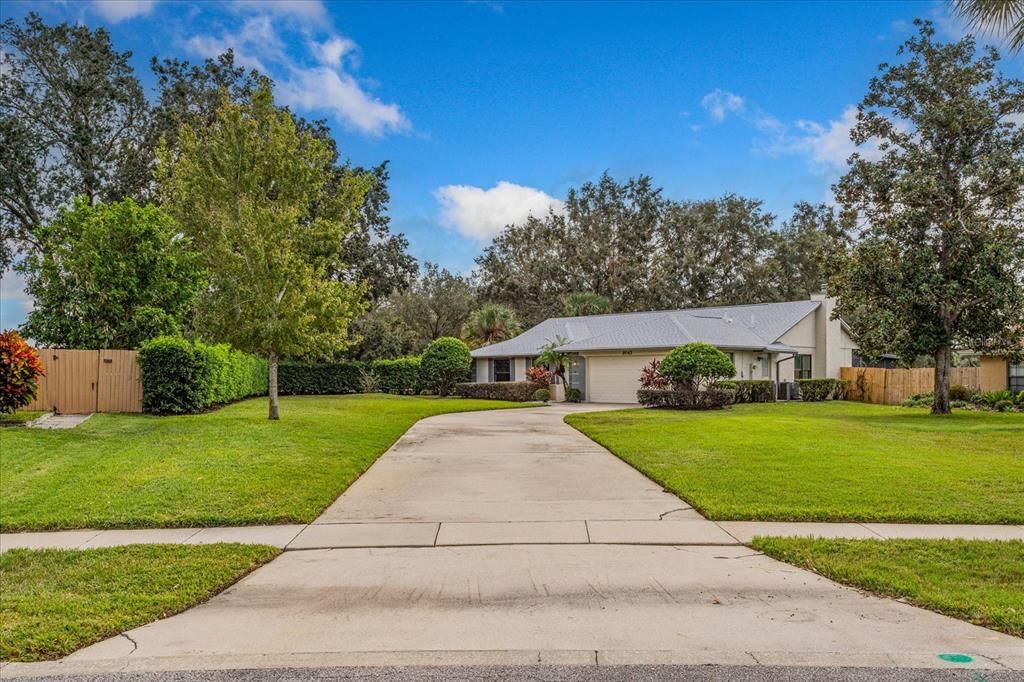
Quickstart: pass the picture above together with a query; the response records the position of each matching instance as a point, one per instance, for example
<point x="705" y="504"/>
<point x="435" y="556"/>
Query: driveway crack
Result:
<point x="135" y="645"/>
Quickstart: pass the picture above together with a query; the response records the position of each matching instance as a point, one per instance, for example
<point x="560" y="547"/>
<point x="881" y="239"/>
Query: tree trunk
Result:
<point x="272" y="388"/>
<point x="943" y="365"/>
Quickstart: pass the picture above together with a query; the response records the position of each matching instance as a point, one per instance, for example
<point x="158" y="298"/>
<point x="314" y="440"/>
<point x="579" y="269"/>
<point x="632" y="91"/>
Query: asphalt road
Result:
<point x="638" y="673"/>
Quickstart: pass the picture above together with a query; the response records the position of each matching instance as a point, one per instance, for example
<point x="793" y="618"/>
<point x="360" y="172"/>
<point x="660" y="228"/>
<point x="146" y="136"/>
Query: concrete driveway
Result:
<point x="506" y="537"/>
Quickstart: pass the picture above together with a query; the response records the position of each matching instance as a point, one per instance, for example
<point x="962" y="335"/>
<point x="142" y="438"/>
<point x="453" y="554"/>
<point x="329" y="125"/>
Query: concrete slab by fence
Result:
<point x="58" y="421"/>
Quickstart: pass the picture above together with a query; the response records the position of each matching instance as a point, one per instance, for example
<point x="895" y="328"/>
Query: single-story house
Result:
<point x="776" y="341"/>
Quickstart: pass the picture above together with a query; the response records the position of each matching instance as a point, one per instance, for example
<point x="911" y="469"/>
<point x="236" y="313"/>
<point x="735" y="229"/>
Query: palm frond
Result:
<point x="1004" y="18"/>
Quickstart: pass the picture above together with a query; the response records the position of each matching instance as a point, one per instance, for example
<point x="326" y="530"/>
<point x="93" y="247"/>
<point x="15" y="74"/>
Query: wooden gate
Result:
<point x="81" y="381"/>
<point x="119" y="387"/>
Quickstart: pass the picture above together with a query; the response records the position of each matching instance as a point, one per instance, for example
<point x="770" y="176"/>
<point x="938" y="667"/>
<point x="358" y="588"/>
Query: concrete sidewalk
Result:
<point x="507" y="536"/>
<point x="673" y="529"/>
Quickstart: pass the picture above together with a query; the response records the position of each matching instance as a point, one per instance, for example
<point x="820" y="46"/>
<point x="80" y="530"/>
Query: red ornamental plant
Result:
<point x="539" y="375"/>
<point x="20" y="369"/>
<point x="650" y="377"/>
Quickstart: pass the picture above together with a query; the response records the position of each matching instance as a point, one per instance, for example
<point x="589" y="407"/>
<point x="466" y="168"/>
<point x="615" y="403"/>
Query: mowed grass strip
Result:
<point x="834" y="461"/>
<point x="55" y="601"/>
<point x="980" y="581"/>
<point x="228" y="467"/>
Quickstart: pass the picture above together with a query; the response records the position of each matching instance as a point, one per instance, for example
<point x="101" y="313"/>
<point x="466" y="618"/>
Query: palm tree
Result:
<point x="582" y="303"/>
<point x="1001" y="17"/>
<point x="491" y="323"/>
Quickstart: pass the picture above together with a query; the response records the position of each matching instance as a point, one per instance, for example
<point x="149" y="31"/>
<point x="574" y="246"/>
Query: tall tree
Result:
<point x="626" y="243"/>
<point x="795" y="268"/>
<point x="580" y="303"/>
<point x="490" y="323"/>
<point x="373" y="254"/>
<point x="1002" y="17"/>
<point x="940" y="261"/>
<point x="437" y="304"/>
<point x="246" y="189"/>
<point x="711" y="252"/>
<point x="73" y="122"/>
<point x="109" y="276"/>
<point x="192" y="93"/>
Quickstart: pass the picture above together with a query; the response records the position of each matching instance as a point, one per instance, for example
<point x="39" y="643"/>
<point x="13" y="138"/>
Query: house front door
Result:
<point x="578" y="375"/>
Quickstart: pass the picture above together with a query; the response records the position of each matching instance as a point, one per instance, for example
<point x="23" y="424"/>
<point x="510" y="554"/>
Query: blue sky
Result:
<point x="490" y="110"/>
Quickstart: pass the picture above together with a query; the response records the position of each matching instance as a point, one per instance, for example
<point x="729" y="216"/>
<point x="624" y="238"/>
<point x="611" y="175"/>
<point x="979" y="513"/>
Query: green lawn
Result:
<point x="834" y="461"/>
<point x="54" y="601"/>
<point x="18" y="418"/>
<point x="978" y="581"/>
<point x="229" y="467"/>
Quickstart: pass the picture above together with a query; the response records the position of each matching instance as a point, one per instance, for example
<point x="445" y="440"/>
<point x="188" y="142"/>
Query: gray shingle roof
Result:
<point x="752" y="327"/>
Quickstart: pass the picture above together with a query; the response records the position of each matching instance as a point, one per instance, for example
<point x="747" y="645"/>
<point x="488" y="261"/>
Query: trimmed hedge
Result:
<point x="184" y="377"/>
<point x="308" y="378"/>
<point x="754" y="390"/>
<point x="710" y="399"/>
<point x="516" y="391"/>
<point x="444" y="363"/>
<point x="816" y="390"/>
<point x="400" y="376"/>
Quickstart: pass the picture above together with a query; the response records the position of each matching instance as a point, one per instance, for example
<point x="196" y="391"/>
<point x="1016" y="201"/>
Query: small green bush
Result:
<point x="710" y="399"/>
<point x="516" y="391"/>
<point x="542" y="395"/>
<point x="310" y="378"/>
<point x="184" y="377"/>
<point x="991" y="398"/>
<point x="573" y="395"/>
<point x="816" y="390"/>
<point x="1004" y="406"/>
<point x="444" y="363"/>
<point x="961" y="392"/>
<point x="399" y="376"/>
<point x="696" y="365"/>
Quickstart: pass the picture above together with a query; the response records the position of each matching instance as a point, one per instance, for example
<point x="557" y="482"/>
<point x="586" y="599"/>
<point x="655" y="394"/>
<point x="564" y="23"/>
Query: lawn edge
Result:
<point x="808" y="518"/>
<point x="281" y="520"/>
<point x="218" y="589"/>
<point x="758" y="543"/>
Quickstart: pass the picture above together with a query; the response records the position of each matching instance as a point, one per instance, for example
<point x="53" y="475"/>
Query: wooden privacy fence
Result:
<point x="893" y="386"/>
<point x="79" y="381"/>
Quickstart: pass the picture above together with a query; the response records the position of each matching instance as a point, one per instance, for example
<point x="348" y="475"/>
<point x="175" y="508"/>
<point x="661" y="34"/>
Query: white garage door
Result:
<point x="615" y="378"/>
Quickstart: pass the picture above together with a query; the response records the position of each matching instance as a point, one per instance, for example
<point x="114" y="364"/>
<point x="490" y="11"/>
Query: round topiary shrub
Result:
<point x="20" y="369"/>
<point x="573" y="395"/>
<point x="695" y="366"/>
<point x="444" y="363"/>
<point x="542" y="395"/>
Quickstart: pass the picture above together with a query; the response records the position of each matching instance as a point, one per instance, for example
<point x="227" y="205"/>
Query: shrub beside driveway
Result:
<point x="223" y="468"/>
<point x="834" y="461"/>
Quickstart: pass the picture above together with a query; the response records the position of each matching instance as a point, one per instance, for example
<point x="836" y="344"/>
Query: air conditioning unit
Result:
<point x="788" y="390"/>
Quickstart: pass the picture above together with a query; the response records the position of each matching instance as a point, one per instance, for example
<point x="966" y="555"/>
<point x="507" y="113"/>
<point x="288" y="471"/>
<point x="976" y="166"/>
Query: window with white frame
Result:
<point x="802" y="367"/>
<point x="1016" y="377"/>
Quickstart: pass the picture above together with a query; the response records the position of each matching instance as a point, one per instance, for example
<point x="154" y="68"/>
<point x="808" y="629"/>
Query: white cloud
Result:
<point x="720" y="103"/>
<point x="115" y="11"/>
<point x="481" y="214"/>
<point x="329" y="86"/>
<point x="828" y="144"/>
<point x="312" y="10"/>
<point x="324" y="88"/>
<point x="331" y="51"/>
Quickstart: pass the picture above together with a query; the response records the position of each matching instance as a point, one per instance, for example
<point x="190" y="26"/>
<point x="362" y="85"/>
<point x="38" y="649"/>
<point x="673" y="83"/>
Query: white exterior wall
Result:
<point x="518" y="369"/>
<point x="482" y="367"/>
